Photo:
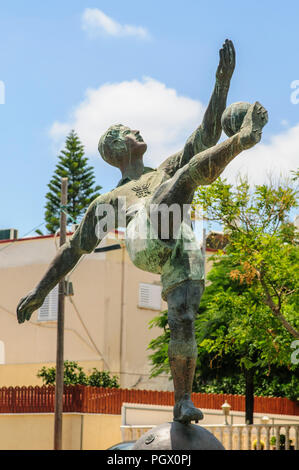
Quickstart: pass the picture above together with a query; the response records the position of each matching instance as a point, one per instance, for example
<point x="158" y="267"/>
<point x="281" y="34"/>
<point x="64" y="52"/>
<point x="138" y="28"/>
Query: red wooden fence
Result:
<point x="84" y="399"/>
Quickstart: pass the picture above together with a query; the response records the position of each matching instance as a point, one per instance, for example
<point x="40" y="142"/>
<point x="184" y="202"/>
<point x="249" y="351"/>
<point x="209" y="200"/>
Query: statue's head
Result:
<point x="121" y="145"/>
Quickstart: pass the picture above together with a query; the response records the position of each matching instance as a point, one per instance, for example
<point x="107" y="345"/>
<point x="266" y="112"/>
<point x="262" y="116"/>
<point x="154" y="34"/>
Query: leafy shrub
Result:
<point x="75" y="375"/>
<point x="102" y="379"/>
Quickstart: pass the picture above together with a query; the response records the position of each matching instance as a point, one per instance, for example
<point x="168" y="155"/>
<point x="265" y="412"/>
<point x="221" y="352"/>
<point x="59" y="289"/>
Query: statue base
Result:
<point x="178" y="436"/>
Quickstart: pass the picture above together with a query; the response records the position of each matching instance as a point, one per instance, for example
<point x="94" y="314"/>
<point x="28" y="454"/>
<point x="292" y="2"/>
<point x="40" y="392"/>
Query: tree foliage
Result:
<point x="263" y="243"/>
<point x="234" y="335"/>
<point x="249" y="311"/>
<point x="75" y="375"/>
<point x="81" y="184"/>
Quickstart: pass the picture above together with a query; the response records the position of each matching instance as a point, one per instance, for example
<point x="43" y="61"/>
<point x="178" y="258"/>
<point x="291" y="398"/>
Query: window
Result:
<point x="49" y="309"/>
<point x="150" y="296"/>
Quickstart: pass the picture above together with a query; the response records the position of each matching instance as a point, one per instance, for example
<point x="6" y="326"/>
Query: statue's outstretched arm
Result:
<point x="211" y="124"/>
<point x="207" y="166"/>
<point x="208" y="133"/>
<point x="84" y="240"/>
<point x="66" y="258"/>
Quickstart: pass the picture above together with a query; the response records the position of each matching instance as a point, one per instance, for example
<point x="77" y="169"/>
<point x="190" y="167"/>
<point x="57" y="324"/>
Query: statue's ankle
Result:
<point x="185" y="411"/>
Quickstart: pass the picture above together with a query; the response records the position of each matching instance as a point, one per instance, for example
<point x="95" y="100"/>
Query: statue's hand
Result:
<point x="254" y="121"/>
<point x="227" y="62"/>
<point x="28" y="305"/>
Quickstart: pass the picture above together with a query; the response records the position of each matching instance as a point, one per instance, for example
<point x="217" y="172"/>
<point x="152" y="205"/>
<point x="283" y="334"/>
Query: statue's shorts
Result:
<point x="176" y="261"/>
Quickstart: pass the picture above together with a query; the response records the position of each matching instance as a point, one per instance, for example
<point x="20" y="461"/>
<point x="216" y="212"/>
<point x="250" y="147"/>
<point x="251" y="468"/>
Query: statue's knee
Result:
<point x="187" y="318"/>
<point x="182" y="320"/>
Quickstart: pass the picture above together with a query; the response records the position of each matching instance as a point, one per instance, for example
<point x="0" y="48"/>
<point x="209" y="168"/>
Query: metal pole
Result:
<point x="60" y="333"/>
<point x="122" y="291"/>
<point x="204" y="237"/>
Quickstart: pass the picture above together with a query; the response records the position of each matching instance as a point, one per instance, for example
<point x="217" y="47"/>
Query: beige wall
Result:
<point x="97" y="286"/>
<point x="102" y="328"/>
<point x="79" y="432"/>
<point x="13" y="375"/>
<point x="100" y="431"/>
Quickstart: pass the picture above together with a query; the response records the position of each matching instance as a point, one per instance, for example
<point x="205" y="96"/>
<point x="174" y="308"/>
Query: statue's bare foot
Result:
<point x="184" y="411"/>
<point x="28" y="305"/>
<point x="254" y="121"/>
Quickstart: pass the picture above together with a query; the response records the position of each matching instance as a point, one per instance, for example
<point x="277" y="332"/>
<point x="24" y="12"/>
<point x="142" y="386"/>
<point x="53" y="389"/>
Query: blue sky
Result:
<point x="89" y="64"/>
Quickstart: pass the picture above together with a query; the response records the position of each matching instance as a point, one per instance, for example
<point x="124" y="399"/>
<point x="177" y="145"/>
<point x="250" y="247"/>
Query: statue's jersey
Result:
<point x="176" y="260"/>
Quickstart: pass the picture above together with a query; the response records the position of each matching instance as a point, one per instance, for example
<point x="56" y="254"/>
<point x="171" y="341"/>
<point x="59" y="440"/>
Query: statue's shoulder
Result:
<point x="106" y="198"/>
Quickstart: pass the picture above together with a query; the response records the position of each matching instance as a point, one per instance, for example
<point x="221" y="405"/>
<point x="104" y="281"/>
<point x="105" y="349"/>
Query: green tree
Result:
<point x="242" y="343"/>
<point x="102" y="379"/>
<point x="263" y="243"/>
<point x="81" y="184"/>
<point x="75" y="375"/>
<point x="241" y="349"/>
<point x="248" y="314"/>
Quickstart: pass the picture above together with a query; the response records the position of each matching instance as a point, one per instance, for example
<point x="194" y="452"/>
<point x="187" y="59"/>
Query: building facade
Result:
<point x="106" y="319"/>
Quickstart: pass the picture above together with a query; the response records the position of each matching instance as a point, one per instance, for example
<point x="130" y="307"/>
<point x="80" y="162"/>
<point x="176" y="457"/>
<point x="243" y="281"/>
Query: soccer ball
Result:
<point x="233" y="116"/>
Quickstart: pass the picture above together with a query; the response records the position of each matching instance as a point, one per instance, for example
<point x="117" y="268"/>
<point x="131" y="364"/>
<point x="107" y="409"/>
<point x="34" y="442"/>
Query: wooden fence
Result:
<point x="82" y="399"/>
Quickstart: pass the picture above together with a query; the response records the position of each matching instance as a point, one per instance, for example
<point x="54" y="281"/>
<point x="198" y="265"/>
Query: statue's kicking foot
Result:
<point x="254" y="121"/>
<point x="184" y="411"/>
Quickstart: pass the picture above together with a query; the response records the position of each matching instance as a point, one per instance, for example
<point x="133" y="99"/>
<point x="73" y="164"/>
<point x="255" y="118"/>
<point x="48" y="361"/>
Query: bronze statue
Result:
<point x="177" y="257"/>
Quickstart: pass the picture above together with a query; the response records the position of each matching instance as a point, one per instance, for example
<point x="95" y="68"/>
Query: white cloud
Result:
<point x="164" y="118"/>
<point x="274" y="159"/>
<point x="95" y="22"/>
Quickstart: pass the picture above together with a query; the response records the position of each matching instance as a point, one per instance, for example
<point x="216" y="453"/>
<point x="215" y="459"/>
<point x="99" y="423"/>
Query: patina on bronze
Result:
<point x="177" y="436"/>
<point x="200" y="162"/>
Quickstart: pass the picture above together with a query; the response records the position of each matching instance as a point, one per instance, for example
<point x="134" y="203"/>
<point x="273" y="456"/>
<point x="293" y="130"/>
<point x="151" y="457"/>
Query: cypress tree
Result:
<point x="81" y="184"/>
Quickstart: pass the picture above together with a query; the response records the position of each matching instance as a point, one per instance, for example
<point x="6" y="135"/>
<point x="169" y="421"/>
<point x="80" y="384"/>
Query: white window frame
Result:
<point x="49" y="310"/>
<point x="149" y="296"/>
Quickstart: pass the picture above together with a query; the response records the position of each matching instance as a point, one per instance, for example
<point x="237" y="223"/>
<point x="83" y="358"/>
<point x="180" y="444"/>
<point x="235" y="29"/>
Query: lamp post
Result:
<point x="265" y="420"/>
<point x="226" y="409"/>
